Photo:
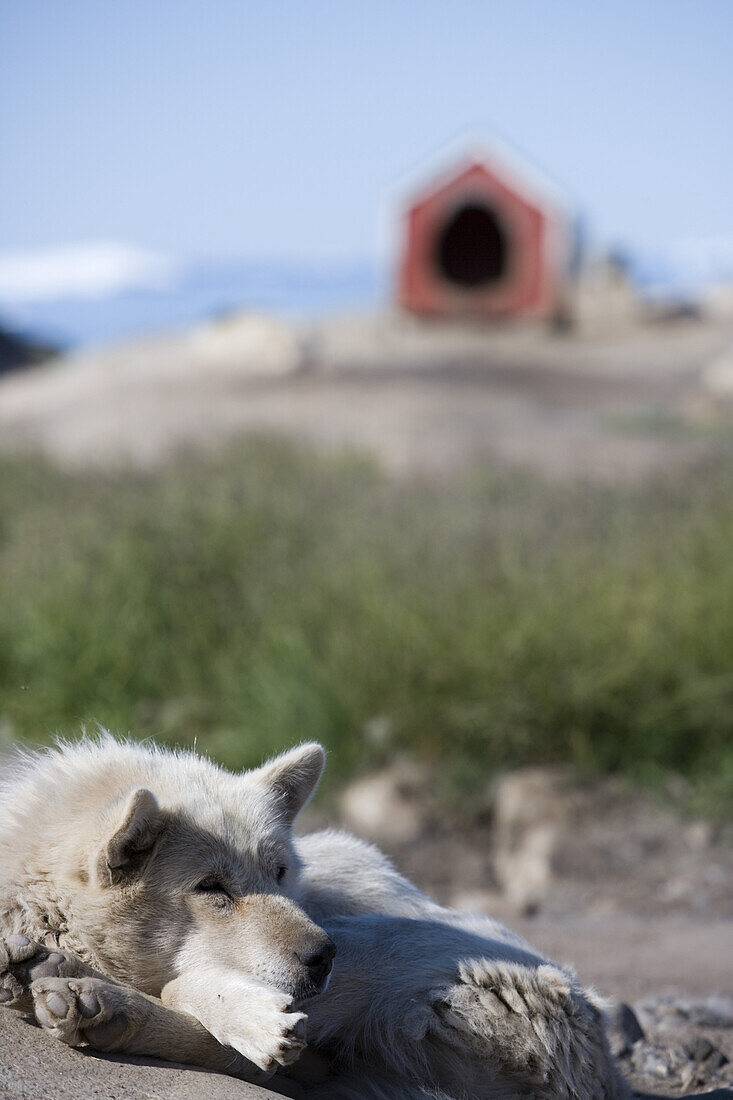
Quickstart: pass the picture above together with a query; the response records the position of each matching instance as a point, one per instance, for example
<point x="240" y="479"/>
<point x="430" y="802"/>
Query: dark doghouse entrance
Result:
<point x="471" y="250"/>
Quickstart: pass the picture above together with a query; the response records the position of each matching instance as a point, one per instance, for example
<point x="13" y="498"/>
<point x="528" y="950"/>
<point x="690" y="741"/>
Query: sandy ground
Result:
<point x="425" y="399"/>
<point x="629" y="957"/>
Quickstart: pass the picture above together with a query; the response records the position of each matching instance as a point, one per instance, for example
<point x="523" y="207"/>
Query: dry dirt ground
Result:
<point x="425" y="398"/>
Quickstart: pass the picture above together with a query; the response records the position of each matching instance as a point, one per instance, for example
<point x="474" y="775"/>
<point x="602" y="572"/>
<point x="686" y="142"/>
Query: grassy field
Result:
<point x="271" y="595"/>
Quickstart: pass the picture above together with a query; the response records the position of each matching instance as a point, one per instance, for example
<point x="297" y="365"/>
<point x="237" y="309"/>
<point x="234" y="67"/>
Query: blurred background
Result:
<point x="366" y="375"/>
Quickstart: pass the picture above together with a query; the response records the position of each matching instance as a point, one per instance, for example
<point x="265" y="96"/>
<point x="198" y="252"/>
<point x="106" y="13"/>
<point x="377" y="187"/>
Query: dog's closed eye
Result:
<point x="211" y="886"/>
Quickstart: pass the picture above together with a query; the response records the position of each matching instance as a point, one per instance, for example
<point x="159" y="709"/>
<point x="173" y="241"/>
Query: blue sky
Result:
<point x="279" y="129"/>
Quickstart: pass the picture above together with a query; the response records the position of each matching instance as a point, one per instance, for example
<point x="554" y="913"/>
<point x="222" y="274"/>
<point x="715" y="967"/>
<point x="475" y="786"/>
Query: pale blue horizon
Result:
<point x="238" y="129"/>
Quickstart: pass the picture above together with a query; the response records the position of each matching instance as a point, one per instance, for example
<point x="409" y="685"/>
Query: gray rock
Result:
<point x="673" y="1012"/>
<point x="716" y="1060"/>
<point x="34" y="1065"/>
<point x="388" y="807"/>
<point x="624" y="1029"/>
<point x="699" y="1048"/>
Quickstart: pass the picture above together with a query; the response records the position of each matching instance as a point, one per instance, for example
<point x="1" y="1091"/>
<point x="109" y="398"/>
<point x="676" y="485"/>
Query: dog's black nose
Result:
<point x="318" y="958"/>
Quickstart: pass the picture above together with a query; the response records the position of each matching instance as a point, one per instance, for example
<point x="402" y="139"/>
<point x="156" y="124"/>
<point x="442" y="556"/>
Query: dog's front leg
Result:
<point x="253" y="1018"/>
<point x="114" y="1018"/>
<point x="78" y="1005"/>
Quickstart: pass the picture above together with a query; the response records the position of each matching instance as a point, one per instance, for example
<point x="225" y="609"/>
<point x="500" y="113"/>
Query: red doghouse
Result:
<point x="481" y="242"/>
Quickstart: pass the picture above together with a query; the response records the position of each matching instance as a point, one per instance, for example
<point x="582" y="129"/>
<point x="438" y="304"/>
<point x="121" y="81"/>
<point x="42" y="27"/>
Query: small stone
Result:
<point x="624" y="1030"/>
<point x="699" y="1048"/>
<point x="625" y="1023"/>
<point x="711" y="1012"/>
<point x="649" y="1061"/>
<point x="715" y="1061"/>
<point x="699" y="835"/>
<point x="387" y="807"/>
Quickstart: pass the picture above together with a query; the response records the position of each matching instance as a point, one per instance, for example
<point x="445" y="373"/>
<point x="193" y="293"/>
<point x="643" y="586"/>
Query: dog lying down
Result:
<point x="154" y="904"/>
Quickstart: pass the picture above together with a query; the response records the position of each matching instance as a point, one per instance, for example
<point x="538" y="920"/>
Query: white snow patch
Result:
<point x="89" y="270"/>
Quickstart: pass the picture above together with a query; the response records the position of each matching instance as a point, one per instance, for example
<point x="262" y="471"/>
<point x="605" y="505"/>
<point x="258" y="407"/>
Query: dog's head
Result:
<point x="211" y="876"/>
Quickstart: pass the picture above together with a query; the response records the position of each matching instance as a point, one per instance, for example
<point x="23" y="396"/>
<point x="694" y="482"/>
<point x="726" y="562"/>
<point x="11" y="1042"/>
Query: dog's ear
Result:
<point x="140" y="822"/>
<point x="293" y="776"/>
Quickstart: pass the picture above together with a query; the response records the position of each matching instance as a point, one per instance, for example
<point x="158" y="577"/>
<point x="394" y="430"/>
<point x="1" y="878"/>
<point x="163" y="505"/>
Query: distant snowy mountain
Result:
<point x="97" y="293"/>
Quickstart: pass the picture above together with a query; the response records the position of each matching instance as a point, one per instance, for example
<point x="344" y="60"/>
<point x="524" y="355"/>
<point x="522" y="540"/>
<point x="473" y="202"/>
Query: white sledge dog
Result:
<point x="153" y="903"/>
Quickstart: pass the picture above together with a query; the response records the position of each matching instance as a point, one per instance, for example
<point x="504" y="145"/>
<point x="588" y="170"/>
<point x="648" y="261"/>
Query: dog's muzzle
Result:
<point x="318" y="961"/>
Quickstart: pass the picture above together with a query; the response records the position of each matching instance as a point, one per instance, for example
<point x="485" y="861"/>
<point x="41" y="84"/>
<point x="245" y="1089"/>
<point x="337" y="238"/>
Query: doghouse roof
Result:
<point x="500" y="162"/>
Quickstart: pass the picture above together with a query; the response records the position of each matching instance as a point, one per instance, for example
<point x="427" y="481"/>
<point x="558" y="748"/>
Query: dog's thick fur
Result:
<point x="153" y="903"/>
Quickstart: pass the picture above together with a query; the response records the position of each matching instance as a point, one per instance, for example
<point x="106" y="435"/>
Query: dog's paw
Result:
<point x="507" y="1013"/>
<point x="258" y="1022"/>
<point x="83" y="1011"/>
<point x="22" y="961"/>
<point x="533" y="1023"/>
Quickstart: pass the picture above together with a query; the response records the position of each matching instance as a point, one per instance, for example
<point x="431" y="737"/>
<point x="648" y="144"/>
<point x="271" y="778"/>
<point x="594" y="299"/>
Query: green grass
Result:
<point x="271" y="595"/>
